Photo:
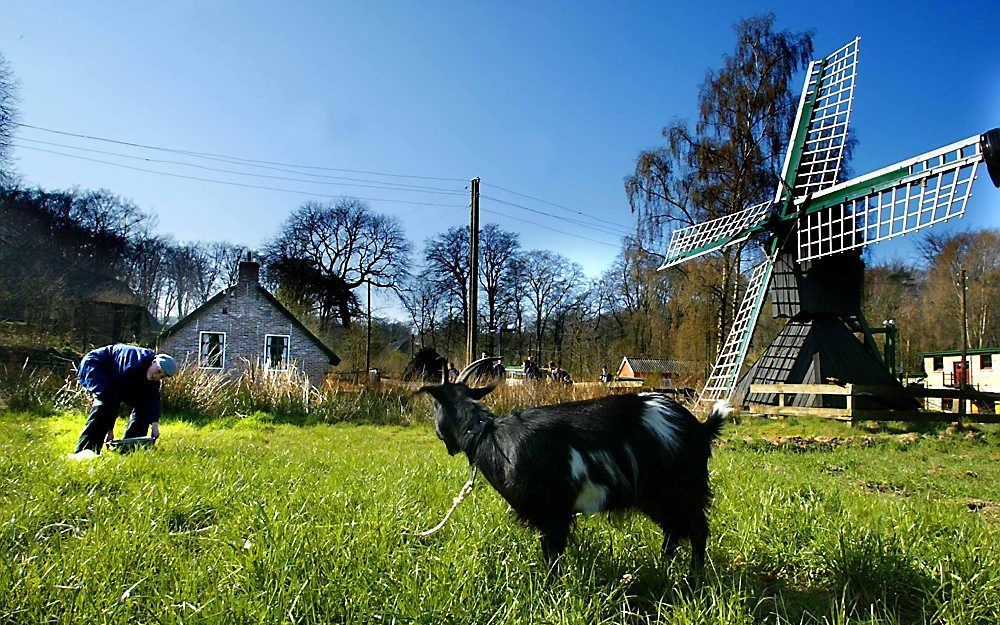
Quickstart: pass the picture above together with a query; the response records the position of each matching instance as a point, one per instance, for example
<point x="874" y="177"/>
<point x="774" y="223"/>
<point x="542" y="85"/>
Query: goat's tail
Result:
<point x="713" y="425"/>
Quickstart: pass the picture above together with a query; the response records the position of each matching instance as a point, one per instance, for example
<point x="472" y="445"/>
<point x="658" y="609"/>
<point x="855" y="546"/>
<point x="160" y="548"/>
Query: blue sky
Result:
<point x="553" y="100"/>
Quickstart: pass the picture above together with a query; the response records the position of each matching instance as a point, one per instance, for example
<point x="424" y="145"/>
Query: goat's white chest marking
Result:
<point x="590" y="497"/>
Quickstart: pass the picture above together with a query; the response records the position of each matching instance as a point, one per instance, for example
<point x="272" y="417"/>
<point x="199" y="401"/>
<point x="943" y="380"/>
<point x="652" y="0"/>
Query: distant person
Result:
<point x="532" y="371"/>
<point x="452" y="372"/>
<point x="118" y="374"/>
<point x="606" y="376"/>
<point x="499" y="371"/>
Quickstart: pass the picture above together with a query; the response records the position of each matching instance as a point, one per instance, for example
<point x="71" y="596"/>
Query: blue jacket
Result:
<point x="118" y="373"/>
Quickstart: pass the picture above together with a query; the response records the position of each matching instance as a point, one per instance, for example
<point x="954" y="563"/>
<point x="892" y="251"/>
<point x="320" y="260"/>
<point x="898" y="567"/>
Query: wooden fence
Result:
<point x="851" y="413"/>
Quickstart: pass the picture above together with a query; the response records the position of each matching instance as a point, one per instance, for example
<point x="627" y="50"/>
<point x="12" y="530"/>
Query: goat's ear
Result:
<point x="435" y="391"/>
<point x="479" y="393"/>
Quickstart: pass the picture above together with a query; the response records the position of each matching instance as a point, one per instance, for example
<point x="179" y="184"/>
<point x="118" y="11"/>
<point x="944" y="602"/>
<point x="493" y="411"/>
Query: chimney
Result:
<point x="249" y="272"/>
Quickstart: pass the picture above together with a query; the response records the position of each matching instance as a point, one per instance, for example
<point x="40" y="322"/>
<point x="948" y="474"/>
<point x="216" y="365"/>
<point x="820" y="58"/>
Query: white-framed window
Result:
<point x="276" y="351"/>
<point x="211" y="350"/>
<point x="986" y="361"/>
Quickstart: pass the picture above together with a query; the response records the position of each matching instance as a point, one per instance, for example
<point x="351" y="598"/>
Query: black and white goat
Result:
<point x="639" y="451"/>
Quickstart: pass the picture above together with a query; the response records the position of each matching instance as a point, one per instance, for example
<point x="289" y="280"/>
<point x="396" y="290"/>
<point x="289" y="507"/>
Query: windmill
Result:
<point x="813" y="232"/>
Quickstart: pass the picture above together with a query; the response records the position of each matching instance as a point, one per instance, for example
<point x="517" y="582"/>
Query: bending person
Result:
<point x="118" y="374"/>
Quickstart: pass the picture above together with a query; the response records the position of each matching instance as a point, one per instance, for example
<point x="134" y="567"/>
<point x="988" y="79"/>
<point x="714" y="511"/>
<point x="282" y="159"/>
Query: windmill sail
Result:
<point x="828" y="217"/>
<point x="816" y="152"/>
<point x="699" y="239"/>
<point x="905" y="197"/>
<point x="727" y="367"/>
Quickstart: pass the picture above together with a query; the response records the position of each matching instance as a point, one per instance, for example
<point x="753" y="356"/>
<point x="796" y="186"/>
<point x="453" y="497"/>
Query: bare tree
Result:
<point x="224" y="263"/>
<point x="447" y="260"/>
<point x="730" y="159"/>
<point x="8" y="118"/>
<point x="182" y="269"/>
<point x="146" y="270"/>
<point x="422" y="298"/>
<point x="325" y="251"/>
<point x="498" y="248"/>
<point x="550" y="280"/>
<point x="636" y="294"/>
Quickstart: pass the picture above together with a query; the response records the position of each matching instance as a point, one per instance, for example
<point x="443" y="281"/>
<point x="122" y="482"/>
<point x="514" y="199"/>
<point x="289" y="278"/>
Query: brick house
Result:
<point x="243" y="324"/>
<point x="652" y="371"/>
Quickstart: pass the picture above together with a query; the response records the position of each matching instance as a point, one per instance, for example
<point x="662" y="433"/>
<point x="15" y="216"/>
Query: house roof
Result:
<point x="89" y="285"/>
<point x="334" y="358"/>
<point x="651" y="365"/>
<point x="403" y="345"/>
<point x="958" y="352"/>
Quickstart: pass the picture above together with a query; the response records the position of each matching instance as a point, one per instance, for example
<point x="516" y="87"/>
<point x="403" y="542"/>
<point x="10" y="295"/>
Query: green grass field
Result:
<point x="253" y="522"/>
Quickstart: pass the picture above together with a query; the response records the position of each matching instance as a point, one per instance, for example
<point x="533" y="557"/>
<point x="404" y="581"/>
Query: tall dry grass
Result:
<point x="286" y="397"/>
<point x="281" y="396"/>
<point x="30" y="389"/>
<point x="508" y="397"/>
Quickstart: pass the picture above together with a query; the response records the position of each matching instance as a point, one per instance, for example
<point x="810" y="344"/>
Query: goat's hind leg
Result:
<point x="699" y="539"/>
<point x="669" y="548"/>
<point x="555" y="534"/>
<point x="671" y="533"/>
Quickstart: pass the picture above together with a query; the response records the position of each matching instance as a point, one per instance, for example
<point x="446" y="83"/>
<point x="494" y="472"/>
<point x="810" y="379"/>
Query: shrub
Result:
<point x="29" y="389"/>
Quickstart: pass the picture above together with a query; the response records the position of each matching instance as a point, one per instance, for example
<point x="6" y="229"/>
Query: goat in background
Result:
<point x="639" y="451"/>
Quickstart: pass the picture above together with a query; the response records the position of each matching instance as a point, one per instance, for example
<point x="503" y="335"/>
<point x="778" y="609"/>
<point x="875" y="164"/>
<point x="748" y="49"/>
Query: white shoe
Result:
<point x="84" y="454"/>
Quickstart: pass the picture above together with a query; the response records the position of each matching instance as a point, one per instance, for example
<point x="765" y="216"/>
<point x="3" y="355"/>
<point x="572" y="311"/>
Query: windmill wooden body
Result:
<point x="813" y="232"/>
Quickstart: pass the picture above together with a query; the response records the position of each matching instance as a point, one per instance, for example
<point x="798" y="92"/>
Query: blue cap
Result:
<point x="167" y="364"/>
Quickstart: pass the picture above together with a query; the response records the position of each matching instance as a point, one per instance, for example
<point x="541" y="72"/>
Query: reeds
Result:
<point x="28" y="389"/>
<point x="284" y="396"/>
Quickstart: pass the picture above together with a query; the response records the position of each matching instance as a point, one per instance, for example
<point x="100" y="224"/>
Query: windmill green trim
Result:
<point x="858" y="190"/>
<point x="718" y="243"/>
<point x="758" y="304"/>
<point x="799" y="143"/>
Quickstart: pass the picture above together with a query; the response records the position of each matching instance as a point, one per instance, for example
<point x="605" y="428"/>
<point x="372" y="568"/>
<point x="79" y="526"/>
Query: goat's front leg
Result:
<point x="669" y="548"/>
<point x="554" y="537"/>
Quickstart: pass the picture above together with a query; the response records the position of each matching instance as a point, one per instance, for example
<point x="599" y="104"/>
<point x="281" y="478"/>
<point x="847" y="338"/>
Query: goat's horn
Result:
<point x="472" y="367"/>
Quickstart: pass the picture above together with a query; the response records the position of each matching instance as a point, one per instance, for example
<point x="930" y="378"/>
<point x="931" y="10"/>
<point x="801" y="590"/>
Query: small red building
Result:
<point x="653" y="372"/>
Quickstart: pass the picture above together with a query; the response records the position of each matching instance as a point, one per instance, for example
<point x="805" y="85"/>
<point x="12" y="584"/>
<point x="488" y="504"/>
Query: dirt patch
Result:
<point x="986" y="508"/>
<point x="822" y="443"/>
<point x="801" y="443"/>
<point x="886" y="488"/>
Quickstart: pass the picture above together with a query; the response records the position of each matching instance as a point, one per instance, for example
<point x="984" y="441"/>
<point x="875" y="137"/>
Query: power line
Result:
<point x="380" y="184"/>
<point x="570" y="234"/>
<point x="235" y="162"/>
<point x="235" y="184"/>
<point x="574" y="221"/>
<point x="266" y="164"/>
<point x="233" y="158"/>
<point x="538" y="199"/>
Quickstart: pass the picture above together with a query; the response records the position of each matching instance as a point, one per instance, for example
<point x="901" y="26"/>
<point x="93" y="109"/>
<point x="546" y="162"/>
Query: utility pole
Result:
<point x="965" y="349"/>
<point x="472" y="330"/>
<point x="368" y="337"/>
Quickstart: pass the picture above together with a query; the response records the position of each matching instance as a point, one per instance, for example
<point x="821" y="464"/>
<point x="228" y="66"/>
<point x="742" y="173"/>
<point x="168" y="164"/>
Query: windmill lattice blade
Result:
<point x="693" y="241"/>
<point x="824" y="148"/>
<point x="727" y="367"/>
<point x="829" y="88"/>
<point x="899" y="199"/>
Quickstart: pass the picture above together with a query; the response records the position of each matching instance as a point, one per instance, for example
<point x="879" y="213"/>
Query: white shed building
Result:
<point x="944" y="370"/>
